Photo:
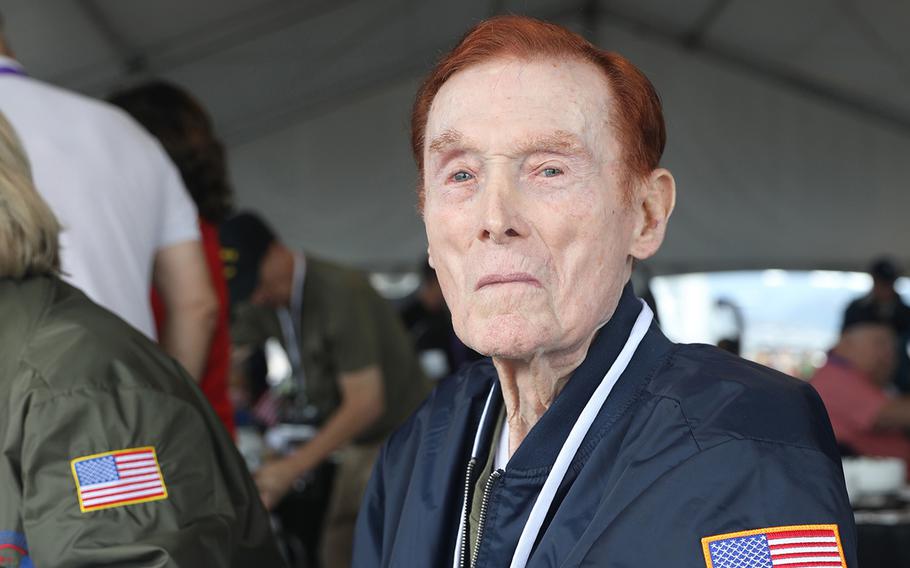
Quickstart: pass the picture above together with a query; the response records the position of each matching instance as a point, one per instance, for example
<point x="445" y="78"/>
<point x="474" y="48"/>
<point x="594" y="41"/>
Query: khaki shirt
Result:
<point x="76" y="384"/>
<point x="345" y="326"/>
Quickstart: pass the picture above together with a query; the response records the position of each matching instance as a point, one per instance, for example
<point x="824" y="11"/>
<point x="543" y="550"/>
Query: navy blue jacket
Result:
<point x="692" y="442"/>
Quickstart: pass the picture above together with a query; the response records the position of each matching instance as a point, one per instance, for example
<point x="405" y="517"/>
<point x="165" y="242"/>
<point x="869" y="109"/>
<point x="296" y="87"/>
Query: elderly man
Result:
<point x="853" y="382"/>
<point x="884" y="304"/>
<point x="355" y="375"/>
<point x="590" y="440"/>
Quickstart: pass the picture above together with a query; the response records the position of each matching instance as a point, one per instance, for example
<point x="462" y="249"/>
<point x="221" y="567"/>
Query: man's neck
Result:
<point x="530" y="387"/>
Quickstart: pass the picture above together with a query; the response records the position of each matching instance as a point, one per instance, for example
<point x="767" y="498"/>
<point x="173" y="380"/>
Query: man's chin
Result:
<point x="506" y="340"/>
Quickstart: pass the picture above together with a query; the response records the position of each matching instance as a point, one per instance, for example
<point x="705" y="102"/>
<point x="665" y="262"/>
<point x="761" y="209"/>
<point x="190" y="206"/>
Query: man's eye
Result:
<point x="462" y="176"/>
<point x="551" y="172"/>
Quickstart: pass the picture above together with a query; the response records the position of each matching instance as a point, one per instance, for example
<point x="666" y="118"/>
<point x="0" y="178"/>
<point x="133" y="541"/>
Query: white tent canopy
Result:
<point x="789" y="122"/>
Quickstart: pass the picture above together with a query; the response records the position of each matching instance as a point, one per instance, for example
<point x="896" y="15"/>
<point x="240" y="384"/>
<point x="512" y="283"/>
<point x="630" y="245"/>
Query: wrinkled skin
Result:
<point x="531" y="229"/>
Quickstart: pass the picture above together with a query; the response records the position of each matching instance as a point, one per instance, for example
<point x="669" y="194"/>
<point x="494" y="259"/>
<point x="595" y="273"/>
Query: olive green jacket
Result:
<point x="76" y="382"/>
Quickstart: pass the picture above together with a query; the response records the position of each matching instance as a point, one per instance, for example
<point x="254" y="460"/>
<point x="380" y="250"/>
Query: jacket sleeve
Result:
<point x="737" y="486"/>
<point x="369" y="534"/>
<point x="208" y="515"/>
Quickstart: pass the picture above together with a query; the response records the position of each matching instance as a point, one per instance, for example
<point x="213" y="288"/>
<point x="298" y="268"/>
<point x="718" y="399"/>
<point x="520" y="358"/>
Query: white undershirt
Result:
<point x="501" y="457"/>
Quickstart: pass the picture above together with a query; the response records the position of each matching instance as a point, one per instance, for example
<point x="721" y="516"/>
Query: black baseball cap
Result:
<point x="245" y="239"/>
<point x="884" y="269"/>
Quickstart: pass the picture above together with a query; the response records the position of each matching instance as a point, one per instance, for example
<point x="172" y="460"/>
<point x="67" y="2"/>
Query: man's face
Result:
<point x="273" y="288"/>
<point x="524" y="211"/>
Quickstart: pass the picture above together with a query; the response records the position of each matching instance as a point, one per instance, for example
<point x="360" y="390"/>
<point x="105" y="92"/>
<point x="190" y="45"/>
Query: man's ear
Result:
<point x="652" y="206"/>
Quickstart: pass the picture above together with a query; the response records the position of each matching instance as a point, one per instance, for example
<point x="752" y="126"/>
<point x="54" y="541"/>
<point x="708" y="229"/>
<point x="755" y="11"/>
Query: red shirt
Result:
<point x="214" y="383"/>
<point x="854" y="401"/>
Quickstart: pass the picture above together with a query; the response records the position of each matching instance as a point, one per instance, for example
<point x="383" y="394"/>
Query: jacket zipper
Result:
<point x="465" y="536"/>
<point x="484" y="505"/>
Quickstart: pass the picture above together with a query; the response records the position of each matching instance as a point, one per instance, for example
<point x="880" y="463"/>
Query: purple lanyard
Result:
<point x="11" y="71"/>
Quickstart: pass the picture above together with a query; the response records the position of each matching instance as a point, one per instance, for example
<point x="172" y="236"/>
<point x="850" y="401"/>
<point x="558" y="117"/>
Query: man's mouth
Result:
<point x="509" y="278"/>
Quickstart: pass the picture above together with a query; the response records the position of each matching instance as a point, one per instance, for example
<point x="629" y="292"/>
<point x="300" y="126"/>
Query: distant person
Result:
<point x="108" y="456"/>
<point x="355" y="377"/>
<point x="884" y="304"/>
<point x="867" y="419"/>
<point x="429" y="322"/>
<point x="185" y="130"/>
<point x="127" y="218"/>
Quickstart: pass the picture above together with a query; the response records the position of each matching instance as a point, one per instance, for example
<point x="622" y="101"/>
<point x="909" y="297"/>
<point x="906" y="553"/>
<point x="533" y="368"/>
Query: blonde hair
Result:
<point x="29" y="230"/>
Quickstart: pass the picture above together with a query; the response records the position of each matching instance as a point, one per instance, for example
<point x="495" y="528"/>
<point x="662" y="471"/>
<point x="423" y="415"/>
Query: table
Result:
<point x="883" y="538"/>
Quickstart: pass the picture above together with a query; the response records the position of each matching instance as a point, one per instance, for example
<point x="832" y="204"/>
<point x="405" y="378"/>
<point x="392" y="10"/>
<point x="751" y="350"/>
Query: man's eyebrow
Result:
<point x="560" y="141"/>
<point x="445" y="140"/>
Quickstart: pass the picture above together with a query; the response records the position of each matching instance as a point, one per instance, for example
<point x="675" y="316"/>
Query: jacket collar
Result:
<point x="539" y="449"/>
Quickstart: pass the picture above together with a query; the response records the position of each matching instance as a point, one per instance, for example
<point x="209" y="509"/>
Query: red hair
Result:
<point x="636" y="113"/>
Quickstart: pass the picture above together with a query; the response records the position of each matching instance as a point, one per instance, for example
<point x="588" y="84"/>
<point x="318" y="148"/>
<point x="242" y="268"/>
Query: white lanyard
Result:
<point x="297" y="289"/>
<point x="290" y="318"/>
<point x="569" y="448"/>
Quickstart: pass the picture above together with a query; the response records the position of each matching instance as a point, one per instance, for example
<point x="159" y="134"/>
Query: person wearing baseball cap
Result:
<point x="355" y="374"/>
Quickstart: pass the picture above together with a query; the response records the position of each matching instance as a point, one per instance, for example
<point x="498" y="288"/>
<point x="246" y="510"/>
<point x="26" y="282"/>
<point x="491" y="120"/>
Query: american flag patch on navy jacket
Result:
<point x="800" y="546"/>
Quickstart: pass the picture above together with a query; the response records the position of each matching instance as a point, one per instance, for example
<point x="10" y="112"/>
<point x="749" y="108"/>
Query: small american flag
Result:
<point x="267" y="409"/>
<point x="803" y="546"/>
<point x="118" y="478"/>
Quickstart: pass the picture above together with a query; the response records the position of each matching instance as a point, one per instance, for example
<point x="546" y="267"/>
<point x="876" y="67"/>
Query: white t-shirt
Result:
<point x="114" y="190"/>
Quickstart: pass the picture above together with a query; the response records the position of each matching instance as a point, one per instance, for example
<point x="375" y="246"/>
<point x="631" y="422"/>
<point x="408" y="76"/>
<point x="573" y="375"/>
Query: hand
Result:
<point x="274" y="480"/>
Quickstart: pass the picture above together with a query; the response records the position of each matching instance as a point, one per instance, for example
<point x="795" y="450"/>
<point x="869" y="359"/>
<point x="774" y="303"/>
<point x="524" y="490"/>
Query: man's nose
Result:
<point x="502" y="213"/>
